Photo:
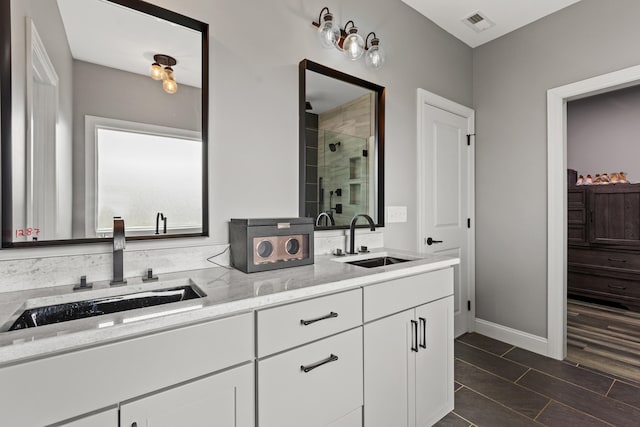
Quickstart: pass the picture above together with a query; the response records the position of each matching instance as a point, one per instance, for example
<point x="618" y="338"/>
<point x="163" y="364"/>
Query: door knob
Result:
<point x="430" y="241"/>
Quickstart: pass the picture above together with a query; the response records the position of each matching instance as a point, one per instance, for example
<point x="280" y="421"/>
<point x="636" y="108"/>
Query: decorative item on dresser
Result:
<point x="604" y="243"/>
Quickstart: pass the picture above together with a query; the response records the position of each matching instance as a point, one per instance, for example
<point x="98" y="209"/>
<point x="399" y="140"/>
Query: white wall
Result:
<point x="602" y="133"/>
<point x="510" y="79"/>
<point x="255" y="48"/>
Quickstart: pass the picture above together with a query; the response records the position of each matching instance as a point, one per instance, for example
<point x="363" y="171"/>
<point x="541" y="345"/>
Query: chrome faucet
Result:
<point x="118" y="251"/>
<point x="329" y="218"/>
<point x="352" y="231"/>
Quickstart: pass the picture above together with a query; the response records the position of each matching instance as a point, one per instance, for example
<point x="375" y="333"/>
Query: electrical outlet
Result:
<point x="396" y="214"/>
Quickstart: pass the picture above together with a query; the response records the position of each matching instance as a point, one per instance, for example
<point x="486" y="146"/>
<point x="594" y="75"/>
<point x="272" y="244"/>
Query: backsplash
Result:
<point x="47" y="271"/>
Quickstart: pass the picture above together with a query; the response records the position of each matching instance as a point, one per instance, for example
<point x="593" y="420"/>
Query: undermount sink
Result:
<point x="380" y="261"/>
<point x="40" y="316"/>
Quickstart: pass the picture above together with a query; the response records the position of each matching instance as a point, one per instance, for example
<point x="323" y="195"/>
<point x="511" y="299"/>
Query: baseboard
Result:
<point x="512" y="336"/>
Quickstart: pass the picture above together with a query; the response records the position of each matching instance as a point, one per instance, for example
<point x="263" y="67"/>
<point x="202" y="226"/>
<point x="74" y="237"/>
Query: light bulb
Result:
<point x="169" y="85"/>
<point x="328" y="32"/>
<point x="375" y="55"/>
<point x="156" y="71"/>
<point x="353" y="46"/>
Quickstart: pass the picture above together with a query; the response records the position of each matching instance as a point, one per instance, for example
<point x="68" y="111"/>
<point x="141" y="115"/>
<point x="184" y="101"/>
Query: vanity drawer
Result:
<point x="290" y="397"/>
<point x="287" y="326"/>
<point x="394" y="296"/>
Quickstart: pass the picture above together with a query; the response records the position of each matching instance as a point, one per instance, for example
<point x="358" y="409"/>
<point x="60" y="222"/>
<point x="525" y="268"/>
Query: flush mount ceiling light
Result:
<point x="161" y="70"/>
<point x="347" y="40"/>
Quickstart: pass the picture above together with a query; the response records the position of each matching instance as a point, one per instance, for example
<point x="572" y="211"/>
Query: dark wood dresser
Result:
<point x="604" y="243"/>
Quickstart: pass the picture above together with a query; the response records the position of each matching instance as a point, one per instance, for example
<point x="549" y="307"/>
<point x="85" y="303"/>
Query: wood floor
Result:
<point x="604" y="338"/>
<point x="501" y="385"/>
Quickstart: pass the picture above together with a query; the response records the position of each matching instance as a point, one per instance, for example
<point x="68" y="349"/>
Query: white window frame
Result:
<point x="92" y="125"/>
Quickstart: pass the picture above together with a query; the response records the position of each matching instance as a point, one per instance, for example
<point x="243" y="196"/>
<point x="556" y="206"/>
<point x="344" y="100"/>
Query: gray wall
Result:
<point x="115" y="94"/>
<point x="255" y="48"/>
<point x="510" y="78"/>
<point x="602" y="133"/>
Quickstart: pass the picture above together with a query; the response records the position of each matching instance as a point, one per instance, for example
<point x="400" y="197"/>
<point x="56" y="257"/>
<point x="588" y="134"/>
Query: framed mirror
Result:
<point x="341" y="147"/>
<point x="104" y="113"/>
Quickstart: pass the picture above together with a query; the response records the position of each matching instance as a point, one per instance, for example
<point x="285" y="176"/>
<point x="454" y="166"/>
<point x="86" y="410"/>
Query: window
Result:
<point x="141" y="170"/>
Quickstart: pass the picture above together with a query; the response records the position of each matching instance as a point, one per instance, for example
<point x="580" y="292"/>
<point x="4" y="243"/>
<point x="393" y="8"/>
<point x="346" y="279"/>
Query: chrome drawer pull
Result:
<point x="329" y="359"/>
<point x="328" y="316"/>
<point x="618" y="287"/>
<point x="617" y="260"/>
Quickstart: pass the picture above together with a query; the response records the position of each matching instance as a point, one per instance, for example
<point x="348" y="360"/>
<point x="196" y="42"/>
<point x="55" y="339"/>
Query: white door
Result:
<point x="446" y="194"/>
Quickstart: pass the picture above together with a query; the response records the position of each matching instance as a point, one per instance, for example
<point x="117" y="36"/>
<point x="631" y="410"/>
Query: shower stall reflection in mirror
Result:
<point x="44" y="180"/>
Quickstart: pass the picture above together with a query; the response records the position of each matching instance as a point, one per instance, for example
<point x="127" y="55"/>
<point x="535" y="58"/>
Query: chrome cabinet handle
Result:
<point x="423" y="327"/>
<point x="414" y="336"/>
<point x="331" y="358"/>
<point x="328" y="316"/>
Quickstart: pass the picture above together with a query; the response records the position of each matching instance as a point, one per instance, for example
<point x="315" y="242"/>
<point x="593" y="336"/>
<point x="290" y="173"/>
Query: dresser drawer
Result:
<point x="605" y="258"/>
<point x="290" y="397"/>
<point x="287" y="326"/>
<point x="603" y="284"/>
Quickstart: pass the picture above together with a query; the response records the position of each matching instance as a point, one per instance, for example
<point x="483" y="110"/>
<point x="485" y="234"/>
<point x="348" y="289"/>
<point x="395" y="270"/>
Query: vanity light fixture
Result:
<point x="347" y="40"/>
<point x="161" y="70"/>
<point x="328" y="30"/>
<point x="353" y="44"/>
<point x="374" y="57"/>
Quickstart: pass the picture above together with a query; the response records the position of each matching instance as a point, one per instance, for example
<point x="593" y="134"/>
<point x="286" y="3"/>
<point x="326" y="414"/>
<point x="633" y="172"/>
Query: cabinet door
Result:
<point x="388" y="365"/>
<point x="615" y="215"/>
<point x="223" y="400"/>
<point x="434" y="362"/>
<point x="107" y="418"/>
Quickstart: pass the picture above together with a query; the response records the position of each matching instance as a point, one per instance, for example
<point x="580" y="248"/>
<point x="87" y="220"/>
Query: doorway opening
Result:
<point x="557" y="217"/>
<point x="603" y="234"/>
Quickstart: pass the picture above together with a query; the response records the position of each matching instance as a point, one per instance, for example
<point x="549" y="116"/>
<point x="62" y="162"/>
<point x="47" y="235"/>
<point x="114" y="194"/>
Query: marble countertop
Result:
<point x="228" y="292"/>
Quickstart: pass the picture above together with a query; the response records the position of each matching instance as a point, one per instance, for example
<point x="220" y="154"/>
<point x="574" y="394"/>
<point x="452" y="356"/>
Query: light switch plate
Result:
<point x="396" y="214"/>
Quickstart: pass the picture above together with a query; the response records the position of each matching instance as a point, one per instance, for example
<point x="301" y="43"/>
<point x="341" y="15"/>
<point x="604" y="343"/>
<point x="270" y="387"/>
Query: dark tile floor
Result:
<point x="501" y="385"/>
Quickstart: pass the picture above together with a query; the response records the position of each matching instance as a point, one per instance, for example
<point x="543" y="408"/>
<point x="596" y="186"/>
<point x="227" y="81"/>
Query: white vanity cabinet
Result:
<point x="317" y="383"/>
<point x="408" y="355"/>
<point x="61" y="388"/>
<point x="224" y="400"/>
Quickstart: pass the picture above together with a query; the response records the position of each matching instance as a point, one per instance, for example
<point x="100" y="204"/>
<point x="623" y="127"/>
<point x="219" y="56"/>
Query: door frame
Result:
<point x="430" y="98"/>
<point x="557" y="99"/>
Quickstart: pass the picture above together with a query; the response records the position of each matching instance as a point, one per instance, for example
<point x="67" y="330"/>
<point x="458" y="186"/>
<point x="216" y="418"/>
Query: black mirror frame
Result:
<point x="5" y="123"/>
<point x="305" y="65"/>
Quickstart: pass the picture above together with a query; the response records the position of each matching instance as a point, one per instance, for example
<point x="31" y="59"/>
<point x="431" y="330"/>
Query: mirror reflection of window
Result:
<point x="141" y="170"/>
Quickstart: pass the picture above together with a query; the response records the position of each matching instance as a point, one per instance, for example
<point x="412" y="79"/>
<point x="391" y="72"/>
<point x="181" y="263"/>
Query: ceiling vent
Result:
<point x="478" y="22"/>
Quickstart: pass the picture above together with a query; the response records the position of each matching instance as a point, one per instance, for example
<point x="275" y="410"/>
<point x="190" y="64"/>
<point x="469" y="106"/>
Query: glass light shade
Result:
<point x="374" y="57"/>
<point x="169" y="85"/>
<point x="353" y="46"/>
<point x="328" y="32"/>
<point x="156" y="71"/>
